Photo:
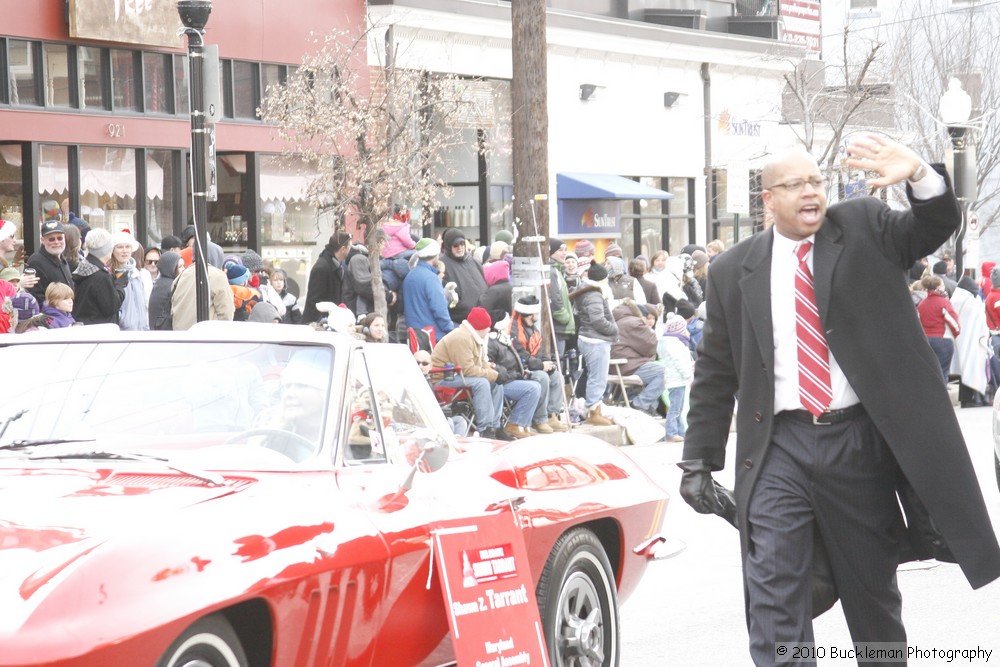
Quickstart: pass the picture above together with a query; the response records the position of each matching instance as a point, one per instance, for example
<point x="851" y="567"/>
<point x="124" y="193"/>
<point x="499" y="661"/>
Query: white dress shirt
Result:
<point x="786" y="352"/>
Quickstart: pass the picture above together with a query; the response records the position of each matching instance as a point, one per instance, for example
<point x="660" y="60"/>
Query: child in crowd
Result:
<point x="673" y="349"/>
<point x="397" y="249"/>
<point x="59" y="305"/>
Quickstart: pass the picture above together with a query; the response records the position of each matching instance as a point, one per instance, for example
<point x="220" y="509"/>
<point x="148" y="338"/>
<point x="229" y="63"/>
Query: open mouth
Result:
<point x="810" y="214"/>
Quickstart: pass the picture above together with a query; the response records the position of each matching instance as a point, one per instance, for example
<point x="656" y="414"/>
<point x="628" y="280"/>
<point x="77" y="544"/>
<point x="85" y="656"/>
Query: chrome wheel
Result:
<point x="578" y="603"/>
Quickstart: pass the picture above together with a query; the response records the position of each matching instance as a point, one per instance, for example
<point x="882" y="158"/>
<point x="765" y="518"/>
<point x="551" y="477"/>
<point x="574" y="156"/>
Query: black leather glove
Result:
<point x="503" y="375"/>
<point x="698" y="488"/>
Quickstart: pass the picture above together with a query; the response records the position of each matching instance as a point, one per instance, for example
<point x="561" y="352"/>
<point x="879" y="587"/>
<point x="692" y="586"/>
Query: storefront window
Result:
<point x="159" y="195"/>
<point x="181" y="85"/>
<point x="53" y="174"/>
<point x="92" y="79"/>
<point x="11" y="187"/>
<point x="226" y="222"/>
<point x="292" y="228"/>
<point x="244" y="90"/>
<point x="21" y="71"/>
<point x="57" y="93"/>
<point x="123" y="78"/>
<point x="156" y="83"/>
<point x="107" y="182"/>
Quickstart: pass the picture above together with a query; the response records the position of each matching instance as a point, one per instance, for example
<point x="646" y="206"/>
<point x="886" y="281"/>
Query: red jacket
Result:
<point x="993" y="309"/>
<point x="936" y="313"/>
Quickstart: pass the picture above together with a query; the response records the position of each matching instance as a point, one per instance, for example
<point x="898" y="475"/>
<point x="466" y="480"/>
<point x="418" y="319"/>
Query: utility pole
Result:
<point x="530" y="124"/>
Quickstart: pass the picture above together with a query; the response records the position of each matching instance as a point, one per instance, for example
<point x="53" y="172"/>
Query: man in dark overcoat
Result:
<point x="830" y="479"/>
<point x="327" y="276"/>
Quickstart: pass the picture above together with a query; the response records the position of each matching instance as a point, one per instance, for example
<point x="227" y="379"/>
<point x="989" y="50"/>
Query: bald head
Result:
<point x="794" y="194"/>
<point x="769" y="175"/>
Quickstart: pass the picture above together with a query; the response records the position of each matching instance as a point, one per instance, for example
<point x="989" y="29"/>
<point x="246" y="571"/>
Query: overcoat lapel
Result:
<point x="755" y="286"/>
<point x="826" y="253"/>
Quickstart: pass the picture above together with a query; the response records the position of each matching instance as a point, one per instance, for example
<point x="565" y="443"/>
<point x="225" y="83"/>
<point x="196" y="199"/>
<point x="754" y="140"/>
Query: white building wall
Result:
<point x="625" y="128"/>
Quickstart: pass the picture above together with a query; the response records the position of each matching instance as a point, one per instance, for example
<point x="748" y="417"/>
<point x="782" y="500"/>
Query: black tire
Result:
<point x="209" y="642"/>
<point x="578" y="603"/>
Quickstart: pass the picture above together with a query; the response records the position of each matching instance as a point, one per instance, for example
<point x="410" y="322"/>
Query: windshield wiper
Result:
<point x="24" y="444"/>
<point x="204" y="475"/>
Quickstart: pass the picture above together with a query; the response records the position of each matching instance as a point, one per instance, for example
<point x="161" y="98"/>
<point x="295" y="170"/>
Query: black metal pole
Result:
<point x="959" y="156"/>
<point x="194" y="14"/>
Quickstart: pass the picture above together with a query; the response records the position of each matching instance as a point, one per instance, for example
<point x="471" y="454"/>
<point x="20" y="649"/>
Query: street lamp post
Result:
<point x="194" y="15"/>
<point x="956" y="108"/>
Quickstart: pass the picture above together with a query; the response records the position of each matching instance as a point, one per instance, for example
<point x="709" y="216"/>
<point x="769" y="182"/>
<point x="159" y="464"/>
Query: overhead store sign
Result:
<point x="152" y="22"/>
<point x="802" y="23"/>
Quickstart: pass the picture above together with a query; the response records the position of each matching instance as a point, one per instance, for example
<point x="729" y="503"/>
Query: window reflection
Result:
<point x="156" y="83"/>
<point x="160" y="195"/>
<point x="53" y="174"/>
<point x="123" y="80"/>
<point x="181" y="85"/>
<point x="107" y="182"/>
<point x="21" y="71"/>
<point x="57" y="88"/>
<point x="244" y="89"/>
<point x="11" y="186"/>
<point x="92" y="68"/>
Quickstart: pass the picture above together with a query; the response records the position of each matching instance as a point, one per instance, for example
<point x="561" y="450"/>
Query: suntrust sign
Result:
<point x="590" y="218"/>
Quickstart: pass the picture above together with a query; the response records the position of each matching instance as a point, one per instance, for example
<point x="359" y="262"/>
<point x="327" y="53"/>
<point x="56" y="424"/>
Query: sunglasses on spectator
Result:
<point x="152" y="261"/>
<point x="424" y="363"/>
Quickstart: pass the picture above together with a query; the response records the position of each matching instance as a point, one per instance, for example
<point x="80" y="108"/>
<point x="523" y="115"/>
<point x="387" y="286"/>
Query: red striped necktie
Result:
<point x="814" y="356"/>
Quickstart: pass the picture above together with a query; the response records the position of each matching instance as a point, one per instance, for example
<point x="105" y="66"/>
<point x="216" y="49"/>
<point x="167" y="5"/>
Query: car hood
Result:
<point x="52" y="516"/>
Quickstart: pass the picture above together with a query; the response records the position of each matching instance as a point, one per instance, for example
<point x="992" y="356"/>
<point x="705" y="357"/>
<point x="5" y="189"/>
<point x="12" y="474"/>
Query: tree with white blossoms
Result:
<point x="376" y="135"/>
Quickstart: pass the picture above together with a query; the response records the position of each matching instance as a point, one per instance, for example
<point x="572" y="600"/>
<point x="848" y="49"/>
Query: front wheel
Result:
<point x="578" y="603"/>
<point x="210" y="642"/>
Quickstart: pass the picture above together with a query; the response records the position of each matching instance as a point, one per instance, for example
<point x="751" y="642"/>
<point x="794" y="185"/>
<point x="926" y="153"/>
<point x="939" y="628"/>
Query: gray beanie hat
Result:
<point x="99" y="242"/>
<point x="995" y="276"/>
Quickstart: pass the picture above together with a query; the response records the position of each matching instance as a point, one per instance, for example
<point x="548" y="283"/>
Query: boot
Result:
<point x="594" y="417"/>
<point x="515" y="431"/>
<point x="500" y="434"/>
<point x="543" y="427"/>
<point x="555" y="424"/>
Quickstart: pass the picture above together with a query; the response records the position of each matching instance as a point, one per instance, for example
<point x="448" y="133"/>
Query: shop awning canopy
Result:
<point x="575" y="185"/>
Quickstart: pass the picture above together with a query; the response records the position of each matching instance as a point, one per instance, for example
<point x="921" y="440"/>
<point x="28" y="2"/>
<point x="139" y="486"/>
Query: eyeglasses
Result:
<point x="152" y="261"/>
<point x="424" y="363"/>
<point x="796" y="185"/>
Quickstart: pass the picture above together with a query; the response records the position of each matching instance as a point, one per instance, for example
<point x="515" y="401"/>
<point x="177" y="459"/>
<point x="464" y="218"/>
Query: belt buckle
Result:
<point x="816" y="418"/>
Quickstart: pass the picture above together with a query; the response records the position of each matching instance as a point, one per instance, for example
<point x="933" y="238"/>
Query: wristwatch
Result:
<point x="918" y="174"/>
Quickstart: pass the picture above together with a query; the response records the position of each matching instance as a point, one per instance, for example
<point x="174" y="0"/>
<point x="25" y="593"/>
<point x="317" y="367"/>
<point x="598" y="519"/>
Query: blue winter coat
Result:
<point x="424" y="304"/>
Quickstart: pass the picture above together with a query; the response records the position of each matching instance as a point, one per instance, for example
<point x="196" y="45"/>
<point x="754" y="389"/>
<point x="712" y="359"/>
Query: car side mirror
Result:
<point x="425" y="452"/>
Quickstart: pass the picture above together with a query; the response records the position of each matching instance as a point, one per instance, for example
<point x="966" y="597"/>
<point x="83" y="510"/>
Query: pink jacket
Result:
<point x="399" y="238"/>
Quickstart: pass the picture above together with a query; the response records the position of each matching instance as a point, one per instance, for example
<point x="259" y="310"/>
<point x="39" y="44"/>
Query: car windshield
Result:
<point x="204" y="402"/>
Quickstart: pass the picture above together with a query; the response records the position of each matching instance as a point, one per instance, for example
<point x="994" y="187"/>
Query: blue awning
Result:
<point x="604" y="186"/>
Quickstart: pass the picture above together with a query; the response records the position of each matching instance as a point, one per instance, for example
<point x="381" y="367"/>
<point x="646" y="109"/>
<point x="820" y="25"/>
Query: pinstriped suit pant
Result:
<point x="839" y="480"/>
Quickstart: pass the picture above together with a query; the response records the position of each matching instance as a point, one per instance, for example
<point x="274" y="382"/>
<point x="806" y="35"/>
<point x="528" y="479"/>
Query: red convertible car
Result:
<point x="261" y="495"/>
